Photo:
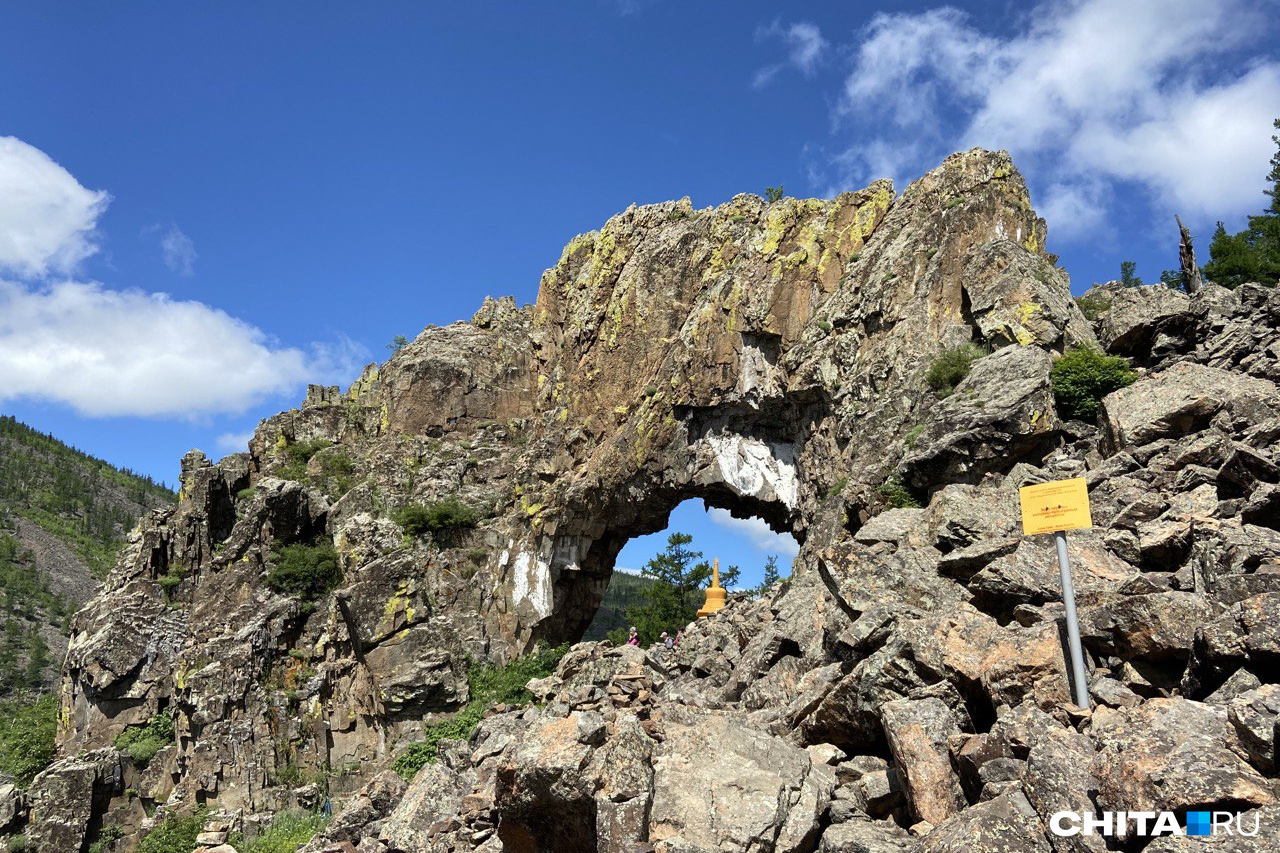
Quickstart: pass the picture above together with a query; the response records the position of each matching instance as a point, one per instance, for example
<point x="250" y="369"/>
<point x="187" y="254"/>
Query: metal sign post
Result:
<point x="1073" y="624"/>
<point x="1056" y="508"/>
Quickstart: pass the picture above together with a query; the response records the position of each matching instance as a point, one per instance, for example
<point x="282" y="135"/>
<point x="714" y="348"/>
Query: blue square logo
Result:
<point x="1198" y="823"/>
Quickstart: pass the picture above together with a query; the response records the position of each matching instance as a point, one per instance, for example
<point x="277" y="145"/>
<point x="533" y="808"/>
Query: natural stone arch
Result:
<point x="767" y="358"/>
<point x="741" y="461"/>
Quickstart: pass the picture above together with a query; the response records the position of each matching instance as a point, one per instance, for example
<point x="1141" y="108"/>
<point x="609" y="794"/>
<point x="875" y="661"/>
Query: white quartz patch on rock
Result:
<point x="532" y="582"/>
<point x="754" y="468"/>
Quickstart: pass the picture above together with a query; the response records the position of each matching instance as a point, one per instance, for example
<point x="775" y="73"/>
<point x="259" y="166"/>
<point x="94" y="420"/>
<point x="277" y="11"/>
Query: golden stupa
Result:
<point x="715" y="593"/>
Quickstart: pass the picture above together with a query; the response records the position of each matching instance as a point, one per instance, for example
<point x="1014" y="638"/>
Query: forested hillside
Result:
<point x="63" y="516"/>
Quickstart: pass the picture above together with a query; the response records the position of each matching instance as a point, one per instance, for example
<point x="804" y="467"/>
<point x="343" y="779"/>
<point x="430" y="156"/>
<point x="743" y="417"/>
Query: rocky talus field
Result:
<point x="905" y="690"/>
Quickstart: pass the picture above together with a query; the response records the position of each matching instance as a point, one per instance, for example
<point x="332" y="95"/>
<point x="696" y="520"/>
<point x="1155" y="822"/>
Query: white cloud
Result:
<point x="1075" y="209"/>
<point x="1086" y="94"/>
<point x="759" y="534"/>
<point x="178" y="251"/>
<point x="47" y="219"/>
<point x="234" y="442"/>
<point x="805" y="49"/>
<point x="111" y="352"/>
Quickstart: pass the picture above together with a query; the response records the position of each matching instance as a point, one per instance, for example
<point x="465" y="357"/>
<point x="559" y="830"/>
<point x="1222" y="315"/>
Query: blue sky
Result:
<point x="204" y="206"/>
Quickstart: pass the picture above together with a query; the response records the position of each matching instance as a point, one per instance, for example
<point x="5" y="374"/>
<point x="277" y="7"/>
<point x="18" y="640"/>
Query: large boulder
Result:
<point x="67" y="796"/>
<point x="719" y="786"/>
<point x="1181" y="400"/>
<point x="1173" y="754"/>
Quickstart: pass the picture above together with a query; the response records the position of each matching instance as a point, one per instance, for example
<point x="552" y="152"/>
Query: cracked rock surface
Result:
<point x="904" y="690"/>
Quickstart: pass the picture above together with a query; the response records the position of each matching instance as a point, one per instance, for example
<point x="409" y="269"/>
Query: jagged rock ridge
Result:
<point x="769" y="359"/>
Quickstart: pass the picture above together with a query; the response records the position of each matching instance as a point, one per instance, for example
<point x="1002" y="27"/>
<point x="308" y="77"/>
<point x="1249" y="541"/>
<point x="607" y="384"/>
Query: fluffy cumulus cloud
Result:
<point x="805" y="49"/>
<point x="103" y="351"/>
<point x="178" y="251"/>
<point x="110" y="352"/>
<point x="759" y="534"/>
<point x="1161" y="93"/>
<point x="47" y="219"/>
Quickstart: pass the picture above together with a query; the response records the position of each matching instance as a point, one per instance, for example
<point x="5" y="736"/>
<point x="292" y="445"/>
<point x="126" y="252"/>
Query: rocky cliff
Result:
<point x="905" y="690"/>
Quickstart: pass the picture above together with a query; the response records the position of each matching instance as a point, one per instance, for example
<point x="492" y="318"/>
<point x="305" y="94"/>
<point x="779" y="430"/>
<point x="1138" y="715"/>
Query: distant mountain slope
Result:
<point x="63" y="516"/>
<point x="625" y="590"/>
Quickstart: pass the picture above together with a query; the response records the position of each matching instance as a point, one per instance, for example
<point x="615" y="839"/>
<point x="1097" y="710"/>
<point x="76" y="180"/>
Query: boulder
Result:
<point x="1000" y="413"/>
<point x="1006" y="823"/>
<point x="719" y="786"/>
<point x="13" y="807"/>
<point x="917" y="732"/>
<point x="1247" y="635"/>
<point x="867" y="836"/>
<point x="1253" y="715"/>
<point x="1174" y="754"/>
<point x="67" y="795"/>
<point x="1181" y="400"/>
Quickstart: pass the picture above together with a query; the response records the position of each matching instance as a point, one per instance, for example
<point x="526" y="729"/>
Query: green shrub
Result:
<point x="439" y="517"/>
<point x="107" y="837"/>
<point x="306" y="572"/>
<point x="297" y="454"/>
<point x="897" y="495"/>
<point x="488" y="685"/>
<point x="825" y="325"/>
<point x="27" y="732"/>
<point x="175" y="834"/>
<point x="951" y="366"/>
<point x="1093" y="307"/>
<point x="337" y="474"/>
<point x="913" y="435"/>
<point x="141" y="743"/>
<point x="246" y="494"/>
<point x="170" y="581"/>
<point x="1085" y="375"/>
<point x="17" y="844"/>
<point x="288" y="831"/>
<point x="772" y="194"/>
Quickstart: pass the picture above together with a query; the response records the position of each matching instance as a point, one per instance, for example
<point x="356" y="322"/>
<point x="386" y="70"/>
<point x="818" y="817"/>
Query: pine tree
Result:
<point x="1254" y="253"/>
<point x="1127" y="278"/>
<point x="673" y="599"/>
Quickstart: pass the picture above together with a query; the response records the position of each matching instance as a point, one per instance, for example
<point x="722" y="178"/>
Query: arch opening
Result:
<point x="740" y="530"/>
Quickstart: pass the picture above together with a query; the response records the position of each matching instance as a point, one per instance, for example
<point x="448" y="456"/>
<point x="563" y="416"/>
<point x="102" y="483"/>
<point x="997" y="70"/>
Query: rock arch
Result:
<point x="768" y="358"/>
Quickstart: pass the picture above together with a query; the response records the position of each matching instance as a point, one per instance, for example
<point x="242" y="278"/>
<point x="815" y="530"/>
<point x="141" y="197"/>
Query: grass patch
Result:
<point x="27" y="731"/>
<point x="489" y="685"/>
<point x="288" y="831"/>
<point x="950" y="367"/>
<point x="913" y="435"/>
<point x="1085" y="375"/>
<point x="175" y="834"/>
<point x="107" y="838"/>
<point x="141" y="743"/>
<point x="296" y="455"/>
<point x="337" y="474"/>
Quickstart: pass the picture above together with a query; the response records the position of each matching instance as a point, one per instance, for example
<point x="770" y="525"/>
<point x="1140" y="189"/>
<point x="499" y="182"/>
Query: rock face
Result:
<point x="904" y="690"/>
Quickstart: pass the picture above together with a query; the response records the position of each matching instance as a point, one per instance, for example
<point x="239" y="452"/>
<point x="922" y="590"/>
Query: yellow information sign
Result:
<point x="1050" y="507"/>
